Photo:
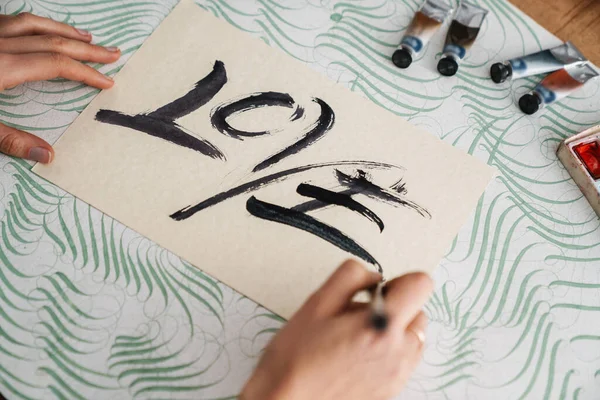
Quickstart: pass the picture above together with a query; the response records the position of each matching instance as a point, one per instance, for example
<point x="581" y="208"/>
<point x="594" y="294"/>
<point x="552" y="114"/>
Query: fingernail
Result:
<point x="83" y="32"/>
<point x="112" y="48"/>
<point x="40" y="154"/>
<point x="109" y="81"/>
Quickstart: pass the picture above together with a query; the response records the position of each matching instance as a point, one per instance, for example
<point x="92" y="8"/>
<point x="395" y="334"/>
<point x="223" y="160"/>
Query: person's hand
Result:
<point x="329" y="351"/>
<point x="33" y="48"/>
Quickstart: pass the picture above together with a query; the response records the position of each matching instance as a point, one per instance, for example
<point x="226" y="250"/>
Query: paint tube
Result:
<point x="428" y="19"/>
<point x="556" y="86"/>
<point x="461" y="35"/>
<point x="541" y="62"/>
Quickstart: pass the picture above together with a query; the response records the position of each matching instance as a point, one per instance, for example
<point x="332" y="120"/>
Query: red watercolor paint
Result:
<point x="589" y="153"/>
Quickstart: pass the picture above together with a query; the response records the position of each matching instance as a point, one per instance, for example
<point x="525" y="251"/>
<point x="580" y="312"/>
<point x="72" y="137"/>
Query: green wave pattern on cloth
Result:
<point x="89" y="309"/>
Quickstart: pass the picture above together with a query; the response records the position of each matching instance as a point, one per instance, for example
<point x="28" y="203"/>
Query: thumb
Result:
<point x="16" y="143"/>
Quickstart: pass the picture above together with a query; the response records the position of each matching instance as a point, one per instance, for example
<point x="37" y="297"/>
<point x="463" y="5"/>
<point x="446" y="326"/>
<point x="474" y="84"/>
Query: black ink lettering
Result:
<point x="166" y="130"/>
<point x="296" y="219"/>
<point x="323" y="124"/>
<point x="220" y="114"/>
<point x="202" y="93"/>
<point x="395" y="197"/>
<point x="189" y="211"/>
<point x="341" y="199"/>
<point x="161" y="123"/>
<point x="313" y="205"/>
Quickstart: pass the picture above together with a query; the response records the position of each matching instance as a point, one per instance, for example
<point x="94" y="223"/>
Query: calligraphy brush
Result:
<point x="378" y="318"/>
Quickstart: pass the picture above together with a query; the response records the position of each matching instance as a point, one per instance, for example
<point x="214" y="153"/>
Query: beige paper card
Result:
<point x="258" y="170"/>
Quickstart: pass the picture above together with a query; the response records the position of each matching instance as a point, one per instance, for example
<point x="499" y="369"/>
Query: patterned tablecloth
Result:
<point x="91" y="310"/>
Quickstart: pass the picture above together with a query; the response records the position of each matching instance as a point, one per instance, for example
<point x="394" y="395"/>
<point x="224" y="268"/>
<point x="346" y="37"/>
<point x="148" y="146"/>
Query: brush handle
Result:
<point x="378" y="319"/>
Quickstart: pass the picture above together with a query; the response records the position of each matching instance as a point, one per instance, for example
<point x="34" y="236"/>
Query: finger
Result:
<point x="26" y="24"/>
<point x="414" y="340"/>
<point x="57" y="44"/>
<point x="405" y="297"/>
<point x="42" y="66"/>
<point x="16" y="143"/>
<point x="357" y="306"/>
<point x="342" y="285"/>
<point x="415" y="331"/>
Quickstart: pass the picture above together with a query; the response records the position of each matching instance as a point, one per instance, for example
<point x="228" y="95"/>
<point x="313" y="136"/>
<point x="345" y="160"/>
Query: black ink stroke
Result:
<point x="399" y="187"/>
<point x="299" y="220"/>
<point x="341" y="199"/>
<point x="395" y="196"/>
<point x="323" y="124"/>
<point x="189" y="211"/>
<point x="166" y="130"/>
<point x="313" y="205"/>
<point x="202" y="93"/>
<point x="161" y="123"/>
<point x="222" y="112"/>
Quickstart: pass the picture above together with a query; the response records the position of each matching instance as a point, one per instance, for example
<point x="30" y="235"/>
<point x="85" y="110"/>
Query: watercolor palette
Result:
<point x="580" y="154"/>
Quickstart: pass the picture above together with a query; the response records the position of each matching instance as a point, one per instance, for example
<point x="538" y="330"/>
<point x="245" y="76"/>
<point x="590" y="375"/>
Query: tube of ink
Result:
<point x="462" y="33"/>
<point x="428" y="19"/>
<point x="542" y="62"/>
<point x="556" y="86"/>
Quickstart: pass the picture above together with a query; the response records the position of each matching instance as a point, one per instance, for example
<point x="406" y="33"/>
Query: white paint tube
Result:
<point x="556" y="86"/>
<point x="426" y="22"/>
<point x="542" y="62"/>
<point x="461" y="35"/>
